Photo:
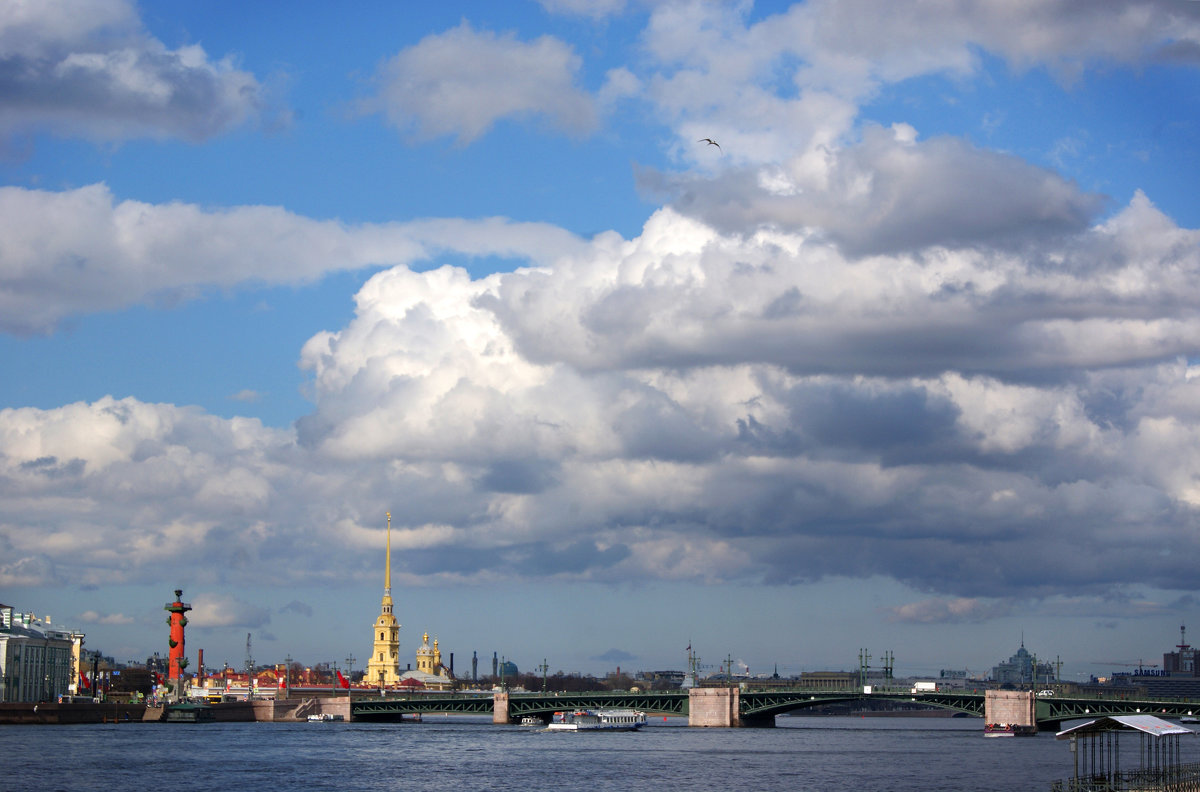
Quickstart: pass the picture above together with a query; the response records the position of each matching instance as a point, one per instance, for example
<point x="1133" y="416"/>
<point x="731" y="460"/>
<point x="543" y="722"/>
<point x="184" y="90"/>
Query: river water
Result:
<point x="463" y="754"/>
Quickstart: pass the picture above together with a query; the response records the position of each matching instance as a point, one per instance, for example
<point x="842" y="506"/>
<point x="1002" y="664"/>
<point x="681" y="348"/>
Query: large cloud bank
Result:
<point x="840" y="350"/>
<point x="689" y="405"/>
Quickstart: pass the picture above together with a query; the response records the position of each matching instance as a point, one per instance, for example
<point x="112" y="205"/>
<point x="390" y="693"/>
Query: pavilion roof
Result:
<point x="1147" y="724"/>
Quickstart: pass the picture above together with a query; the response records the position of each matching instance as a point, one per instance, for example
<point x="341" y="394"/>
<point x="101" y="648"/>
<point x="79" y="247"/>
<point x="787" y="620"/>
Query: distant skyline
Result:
<point x="908" y="363"/>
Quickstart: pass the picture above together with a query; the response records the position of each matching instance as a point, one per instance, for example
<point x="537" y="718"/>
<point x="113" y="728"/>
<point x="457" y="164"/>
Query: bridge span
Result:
<point x="734" y="707"/>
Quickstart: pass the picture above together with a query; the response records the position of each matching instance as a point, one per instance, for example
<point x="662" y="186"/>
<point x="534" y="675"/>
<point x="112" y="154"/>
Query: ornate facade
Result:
<point x="428" y="658"/>
<point x="430" y="672"/>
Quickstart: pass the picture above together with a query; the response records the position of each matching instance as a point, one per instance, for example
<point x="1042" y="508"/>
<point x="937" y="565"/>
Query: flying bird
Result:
<point x="710" y="142"/>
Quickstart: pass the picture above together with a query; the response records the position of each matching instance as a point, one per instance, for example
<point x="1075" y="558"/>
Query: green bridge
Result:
<point x="754" y="707"/>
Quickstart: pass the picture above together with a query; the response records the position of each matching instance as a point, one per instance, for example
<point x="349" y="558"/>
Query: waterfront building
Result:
<point x="955" y="679"/>
<point x="383" y="667"/>
<point x="35" y="665"/>
<point x="1181" y="662"/>
<point x="829" y="680"/>
<point x="1022" y="669"/>
<point x="662" y="679"/>
<point x="430" y="672"/>
<point x="1179" y="676"/>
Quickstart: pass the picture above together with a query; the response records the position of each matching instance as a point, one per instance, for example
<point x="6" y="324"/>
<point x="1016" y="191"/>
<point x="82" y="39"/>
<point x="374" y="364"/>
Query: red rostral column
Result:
<point x="177" y="621"/>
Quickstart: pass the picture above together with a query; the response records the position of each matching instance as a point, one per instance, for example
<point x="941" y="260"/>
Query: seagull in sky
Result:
<point x="710" y="142"/>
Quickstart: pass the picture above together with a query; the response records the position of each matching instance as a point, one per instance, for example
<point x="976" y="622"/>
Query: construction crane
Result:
<point x="1139" y="665"/>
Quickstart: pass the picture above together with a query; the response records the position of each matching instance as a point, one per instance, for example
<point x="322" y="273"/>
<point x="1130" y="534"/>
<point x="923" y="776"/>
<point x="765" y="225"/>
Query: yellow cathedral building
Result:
<point x="383" y="669"/>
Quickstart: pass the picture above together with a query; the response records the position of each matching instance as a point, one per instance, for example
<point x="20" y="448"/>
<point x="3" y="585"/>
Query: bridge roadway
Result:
<point x="755" y="707"/>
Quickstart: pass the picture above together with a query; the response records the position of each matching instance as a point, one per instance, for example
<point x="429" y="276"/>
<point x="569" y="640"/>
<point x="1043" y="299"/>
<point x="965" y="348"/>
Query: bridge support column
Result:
<point x="500" y="708"/>
<point x="1014" y="707"/>
<point x="714" y="707"/>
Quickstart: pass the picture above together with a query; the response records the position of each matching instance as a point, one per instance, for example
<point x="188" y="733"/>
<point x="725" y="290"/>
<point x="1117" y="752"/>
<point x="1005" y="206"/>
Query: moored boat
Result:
<point x="598" y="720"/>
<point x="188" y="713"/>
<point x="324" y="717"/>
<point x="1008" y="730"/>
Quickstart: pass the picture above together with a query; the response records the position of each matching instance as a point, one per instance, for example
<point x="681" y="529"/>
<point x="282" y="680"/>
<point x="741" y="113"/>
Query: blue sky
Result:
<point x="908" y="363"/>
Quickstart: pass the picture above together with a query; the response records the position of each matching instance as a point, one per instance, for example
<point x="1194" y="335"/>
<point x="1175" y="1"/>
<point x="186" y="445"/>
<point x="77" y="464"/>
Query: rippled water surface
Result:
<point x="461" y="753"/>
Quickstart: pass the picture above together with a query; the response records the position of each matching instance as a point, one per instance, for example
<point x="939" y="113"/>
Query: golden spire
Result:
<point x="387" y="570"/>
<point x="384" y="666"/>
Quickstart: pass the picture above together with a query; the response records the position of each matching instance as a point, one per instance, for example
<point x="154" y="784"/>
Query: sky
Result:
<point x="908" y="361"/>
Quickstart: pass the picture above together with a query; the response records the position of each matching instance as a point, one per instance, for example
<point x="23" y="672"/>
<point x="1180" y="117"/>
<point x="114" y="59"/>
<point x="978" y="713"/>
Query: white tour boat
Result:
<point x="324" y="717"/>
<point x="598" y="720"/>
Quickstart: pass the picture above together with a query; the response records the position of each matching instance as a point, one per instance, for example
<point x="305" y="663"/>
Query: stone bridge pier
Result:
<point x="499" y="707"/>
<point x="714" y="707"/>
<point x="1013" y="707"/>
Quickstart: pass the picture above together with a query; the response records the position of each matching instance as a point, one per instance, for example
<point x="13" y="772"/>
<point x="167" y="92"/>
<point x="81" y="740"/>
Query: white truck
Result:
<point x="924" y="687"/>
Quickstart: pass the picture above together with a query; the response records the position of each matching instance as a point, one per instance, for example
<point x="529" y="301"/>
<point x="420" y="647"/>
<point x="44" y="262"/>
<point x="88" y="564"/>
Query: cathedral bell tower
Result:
<point x="383" y="669"/>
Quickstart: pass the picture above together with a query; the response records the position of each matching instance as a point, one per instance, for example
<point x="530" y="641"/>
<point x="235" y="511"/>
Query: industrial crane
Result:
<point x="1139" y="665"/>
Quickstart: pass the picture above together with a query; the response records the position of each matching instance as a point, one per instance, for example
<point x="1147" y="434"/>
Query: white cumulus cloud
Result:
<point x="81" y="251"/>
<point x="87" y="68"/>
<point x="462" y="82"/>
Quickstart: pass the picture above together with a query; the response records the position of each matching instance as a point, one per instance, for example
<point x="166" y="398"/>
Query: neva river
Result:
<point x="464" y="754"/>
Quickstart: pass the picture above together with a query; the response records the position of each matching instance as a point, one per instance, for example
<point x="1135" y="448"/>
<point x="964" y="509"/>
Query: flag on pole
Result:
<point x="342" y="682"/>
<point x="84" y="684"/>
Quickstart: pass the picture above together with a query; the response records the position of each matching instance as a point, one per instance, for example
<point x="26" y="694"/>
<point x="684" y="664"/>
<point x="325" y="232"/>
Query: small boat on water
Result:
<point x="532" y="720"/>
<point x="598" y="720"/>
<point x="324" y="717"/>
<point x="1008" y="730"/>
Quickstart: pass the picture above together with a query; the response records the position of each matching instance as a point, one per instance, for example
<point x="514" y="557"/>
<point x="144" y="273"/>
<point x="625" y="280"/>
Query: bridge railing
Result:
<point x="1179" y="778"/>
